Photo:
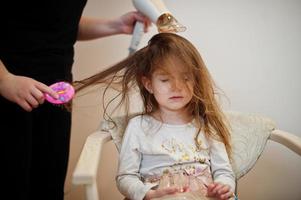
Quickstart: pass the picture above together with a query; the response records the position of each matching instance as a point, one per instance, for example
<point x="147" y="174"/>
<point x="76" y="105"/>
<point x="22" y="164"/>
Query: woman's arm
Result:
<point x="91" y="28"/>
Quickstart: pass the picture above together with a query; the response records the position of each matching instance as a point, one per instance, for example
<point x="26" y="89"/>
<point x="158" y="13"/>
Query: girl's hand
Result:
<point x="26" y="92"/>
<point x="219" y="191"/>
<point x="151" y="194"/>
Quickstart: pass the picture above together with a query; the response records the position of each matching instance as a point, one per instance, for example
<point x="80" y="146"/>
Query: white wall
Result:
<point x="252" y="49"/>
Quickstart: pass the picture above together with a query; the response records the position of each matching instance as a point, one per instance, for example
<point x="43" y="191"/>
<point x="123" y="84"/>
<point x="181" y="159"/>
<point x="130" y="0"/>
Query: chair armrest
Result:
<point x="289" y="140"/>
<point x="86" y="168"/>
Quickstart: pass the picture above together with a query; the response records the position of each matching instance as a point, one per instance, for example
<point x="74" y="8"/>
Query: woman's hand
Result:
<point x="26" y="92"/>
<point x="127" y="22"/>
<point x="219" y="191"/>
<point x="92" y="28"/>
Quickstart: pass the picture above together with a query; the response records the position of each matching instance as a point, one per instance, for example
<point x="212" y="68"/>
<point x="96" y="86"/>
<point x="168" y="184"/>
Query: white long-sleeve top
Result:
<point x="149" y="147"/>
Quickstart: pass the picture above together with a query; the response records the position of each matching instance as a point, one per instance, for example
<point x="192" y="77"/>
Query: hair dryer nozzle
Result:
<point x="156" y="11"/>
<point x="167" y="23"/>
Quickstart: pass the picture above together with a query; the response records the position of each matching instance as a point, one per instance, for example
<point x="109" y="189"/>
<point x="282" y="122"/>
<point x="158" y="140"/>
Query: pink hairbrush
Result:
<point x="64" y="90"/>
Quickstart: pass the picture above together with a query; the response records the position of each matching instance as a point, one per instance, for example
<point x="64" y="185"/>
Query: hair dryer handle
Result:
<point x="137" y="35"/>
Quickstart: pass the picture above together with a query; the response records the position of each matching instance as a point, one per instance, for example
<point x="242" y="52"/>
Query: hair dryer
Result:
<point x="156" y="11"/>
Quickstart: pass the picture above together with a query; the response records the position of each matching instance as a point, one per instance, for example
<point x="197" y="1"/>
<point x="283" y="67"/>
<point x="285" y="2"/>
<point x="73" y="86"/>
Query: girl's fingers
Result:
<point x="211" y="186"/>
<point x="217" y="188"/>
<point x="223" y="189"/>
<point x="164" y="191"/>
<point x="170" y="190"/>
<point x="227" y="195"/>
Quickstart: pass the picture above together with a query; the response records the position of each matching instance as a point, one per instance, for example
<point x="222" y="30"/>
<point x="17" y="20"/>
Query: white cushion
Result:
<point x="249" y="135"/>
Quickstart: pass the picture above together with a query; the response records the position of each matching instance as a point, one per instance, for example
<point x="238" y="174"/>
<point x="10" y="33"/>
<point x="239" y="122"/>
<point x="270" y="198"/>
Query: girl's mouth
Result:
<point x="176" y="97"/>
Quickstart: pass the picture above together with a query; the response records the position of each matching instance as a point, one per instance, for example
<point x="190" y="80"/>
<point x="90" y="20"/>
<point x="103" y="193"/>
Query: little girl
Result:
<point x="181" y="135"/>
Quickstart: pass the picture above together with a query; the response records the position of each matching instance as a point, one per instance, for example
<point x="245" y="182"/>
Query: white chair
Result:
<point x="249" y="132"/>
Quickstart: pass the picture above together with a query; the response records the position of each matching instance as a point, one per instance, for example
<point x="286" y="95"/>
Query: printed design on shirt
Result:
<point x="182" y="152"/>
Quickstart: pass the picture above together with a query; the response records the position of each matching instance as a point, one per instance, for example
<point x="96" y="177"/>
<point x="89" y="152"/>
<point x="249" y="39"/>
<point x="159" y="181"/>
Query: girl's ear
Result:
<point x="147" y="84"/>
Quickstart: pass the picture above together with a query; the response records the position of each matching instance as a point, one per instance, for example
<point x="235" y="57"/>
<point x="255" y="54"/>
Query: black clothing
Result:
<point x="36" y="40"/>
<point x="45" y="29"/>
<point x="35" y="149"/>
<point x="38" y="32"/>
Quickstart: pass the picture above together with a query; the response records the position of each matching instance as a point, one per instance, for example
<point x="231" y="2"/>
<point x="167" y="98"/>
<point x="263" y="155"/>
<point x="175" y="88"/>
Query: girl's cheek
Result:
<point x="163" y="89"/>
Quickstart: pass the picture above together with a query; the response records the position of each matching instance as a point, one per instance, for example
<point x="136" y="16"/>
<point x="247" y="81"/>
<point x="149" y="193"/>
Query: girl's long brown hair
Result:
<point x="128" y="74"/>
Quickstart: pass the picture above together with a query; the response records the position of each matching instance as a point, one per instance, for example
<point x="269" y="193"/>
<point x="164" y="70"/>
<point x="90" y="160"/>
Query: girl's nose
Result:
<point x="177" y="85"/>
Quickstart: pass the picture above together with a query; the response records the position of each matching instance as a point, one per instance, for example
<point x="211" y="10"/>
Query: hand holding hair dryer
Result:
<point x="156" y="11"/>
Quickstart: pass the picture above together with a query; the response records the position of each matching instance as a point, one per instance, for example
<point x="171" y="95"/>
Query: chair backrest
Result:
<point x="249" y="133"/>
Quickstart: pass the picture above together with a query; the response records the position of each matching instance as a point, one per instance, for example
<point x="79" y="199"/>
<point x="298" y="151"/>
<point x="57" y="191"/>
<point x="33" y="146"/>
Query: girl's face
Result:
<point x="171" y="86"/>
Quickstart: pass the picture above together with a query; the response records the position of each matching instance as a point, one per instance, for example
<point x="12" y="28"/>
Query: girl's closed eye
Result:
<point x="164" y="80"/>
